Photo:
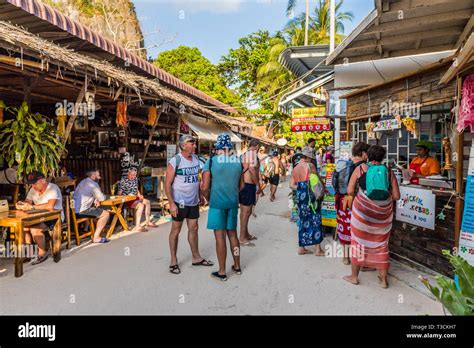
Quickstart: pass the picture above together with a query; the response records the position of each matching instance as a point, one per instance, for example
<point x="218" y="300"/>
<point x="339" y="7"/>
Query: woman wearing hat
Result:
<point x="309" y="224"/>
<point x="423" y="164"/>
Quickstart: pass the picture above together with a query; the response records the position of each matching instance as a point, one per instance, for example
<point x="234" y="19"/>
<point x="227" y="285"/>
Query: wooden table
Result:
<point x="17" y="220"/>
<point x="116" y="204"/>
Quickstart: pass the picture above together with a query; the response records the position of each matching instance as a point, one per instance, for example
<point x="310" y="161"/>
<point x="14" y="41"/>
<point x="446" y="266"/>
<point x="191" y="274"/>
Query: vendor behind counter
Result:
<point x="423" y="164"/>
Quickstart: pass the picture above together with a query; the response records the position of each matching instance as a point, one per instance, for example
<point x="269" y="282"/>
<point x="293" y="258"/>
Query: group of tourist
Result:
<point x="364" y="206"/>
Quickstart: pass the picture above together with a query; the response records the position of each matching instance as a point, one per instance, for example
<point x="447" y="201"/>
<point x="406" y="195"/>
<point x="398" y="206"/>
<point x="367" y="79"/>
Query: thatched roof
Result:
<point x="16" y="38"/>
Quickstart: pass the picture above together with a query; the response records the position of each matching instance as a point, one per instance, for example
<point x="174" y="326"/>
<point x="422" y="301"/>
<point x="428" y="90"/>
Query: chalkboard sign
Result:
<point x="128" y="161"/>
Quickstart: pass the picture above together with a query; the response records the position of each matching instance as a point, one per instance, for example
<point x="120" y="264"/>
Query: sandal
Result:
<point x="40" y="259"/>
<point x="248" y="243"/>
<point x="203" y="262"/>
<point x="151" y="225"/>
<point x="237" y="270"/>
<point x="218" y="276"/>
<point x="102" y="241"/>
<point x="252" y="238"/>
<point x="175" y="269"/>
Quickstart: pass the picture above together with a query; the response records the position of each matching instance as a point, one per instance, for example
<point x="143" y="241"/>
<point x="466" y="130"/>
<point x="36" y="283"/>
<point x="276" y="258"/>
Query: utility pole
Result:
<point x="306" y="26"/>
<point x="332" y="46"/>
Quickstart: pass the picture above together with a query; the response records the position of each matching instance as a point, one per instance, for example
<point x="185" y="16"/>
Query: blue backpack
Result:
<point x="377" y="182"/>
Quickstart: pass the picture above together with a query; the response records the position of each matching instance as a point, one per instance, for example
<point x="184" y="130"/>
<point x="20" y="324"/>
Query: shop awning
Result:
<point x="398" y="28"/>
<point x="206" y="129"/>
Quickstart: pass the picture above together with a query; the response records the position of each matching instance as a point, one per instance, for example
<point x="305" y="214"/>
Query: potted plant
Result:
<point x="458" y="299"/>
<point x="30" y="141"/>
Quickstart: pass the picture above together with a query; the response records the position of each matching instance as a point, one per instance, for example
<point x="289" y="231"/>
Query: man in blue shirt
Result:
<point x="221" y="174"/>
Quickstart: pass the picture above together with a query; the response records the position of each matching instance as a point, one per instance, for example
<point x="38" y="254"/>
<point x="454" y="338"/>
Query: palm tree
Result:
<point x="319" y="25"/>
<point x="289" y="9"/>
<point x="272" y="77"/>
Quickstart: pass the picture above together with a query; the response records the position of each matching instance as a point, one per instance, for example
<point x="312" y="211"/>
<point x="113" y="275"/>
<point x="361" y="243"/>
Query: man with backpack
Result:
<point x="340" y="182"/>
<point x="184" y="197"/>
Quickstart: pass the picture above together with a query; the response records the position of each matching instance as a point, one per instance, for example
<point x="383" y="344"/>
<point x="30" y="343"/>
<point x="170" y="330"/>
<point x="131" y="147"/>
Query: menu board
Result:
<point x="128" y="161"/>
<point x="416" y="207"/>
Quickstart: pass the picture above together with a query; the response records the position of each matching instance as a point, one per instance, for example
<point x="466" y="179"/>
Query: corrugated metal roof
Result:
<point x="54" y="17"/>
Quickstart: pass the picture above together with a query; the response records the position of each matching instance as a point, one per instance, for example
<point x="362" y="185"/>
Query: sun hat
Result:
<point x="425" y="143"/>
<point x="223" y="142"/>
<point x="308" y="152"/>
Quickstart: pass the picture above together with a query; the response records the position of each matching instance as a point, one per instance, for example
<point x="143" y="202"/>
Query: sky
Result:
<point x="215" y="26"/>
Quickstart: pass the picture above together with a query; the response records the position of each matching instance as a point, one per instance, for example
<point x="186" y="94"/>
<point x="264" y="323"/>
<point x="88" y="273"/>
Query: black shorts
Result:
<point x="91" y="212"/>
<point x="187" y="212"/>
<point x="274" y="180"/>
<point x="248" y="196"/>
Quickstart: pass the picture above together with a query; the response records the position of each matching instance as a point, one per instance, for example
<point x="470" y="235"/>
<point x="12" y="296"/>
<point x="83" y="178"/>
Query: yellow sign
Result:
<point x="309" y="112"/>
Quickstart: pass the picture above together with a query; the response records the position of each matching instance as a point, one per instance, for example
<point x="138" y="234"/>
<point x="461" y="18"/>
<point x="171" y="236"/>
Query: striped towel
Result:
<point x="371" y="223"/>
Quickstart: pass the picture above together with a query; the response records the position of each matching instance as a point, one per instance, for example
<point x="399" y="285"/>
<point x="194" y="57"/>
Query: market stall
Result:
<point x="397" y="115"/>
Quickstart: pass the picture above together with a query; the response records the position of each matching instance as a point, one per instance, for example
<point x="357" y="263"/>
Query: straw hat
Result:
<point x="308" y="152"/>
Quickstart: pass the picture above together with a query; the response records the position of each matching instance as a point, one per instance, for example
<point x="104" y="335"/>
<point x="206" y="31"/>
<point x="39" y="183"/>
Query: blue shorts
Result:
<point x="222" y="219"/>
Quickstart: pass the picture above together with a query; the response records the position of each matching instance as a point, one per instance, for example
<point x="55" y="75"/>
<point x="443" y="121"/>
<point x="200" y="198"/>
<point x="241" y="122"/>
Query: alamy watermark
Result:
<point x="390" y="108"/>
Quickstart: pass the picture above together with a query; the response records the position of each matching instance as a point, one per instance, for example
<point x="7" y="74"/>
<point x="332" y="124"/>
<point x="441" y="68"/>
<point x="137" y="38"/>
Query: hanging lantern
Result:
<point x="152" y="115"/>
<point x="121" y="118"/>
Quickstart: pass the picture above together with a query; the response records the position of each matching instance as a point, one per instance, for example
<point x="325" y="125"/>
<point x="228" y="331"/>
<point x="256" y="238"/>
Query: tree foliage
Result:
<point x="189" y="65"/>
<point x="240" y="66"/>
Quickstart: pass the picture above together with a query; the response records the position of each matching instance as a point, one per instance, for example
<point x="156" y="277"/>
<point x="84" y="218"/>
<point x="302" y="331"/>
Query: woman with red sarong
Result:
<point x="371" y="221"/>
<point x="344" y="202"/>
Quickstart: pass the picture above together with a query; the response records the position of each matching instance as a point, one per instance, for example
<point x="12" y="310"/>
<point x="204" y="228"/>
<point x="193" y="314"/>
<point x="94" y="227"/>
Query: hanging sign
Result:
<point x="416" y="207"/>
<point x="310" y="119"/>
<point x="128" y="161"/>
<point x="387" y="125"/>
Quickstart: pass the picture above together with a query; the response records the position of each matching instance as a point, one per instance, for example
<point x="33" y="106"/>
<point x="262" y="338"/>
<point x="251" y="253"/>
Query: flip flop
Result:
<point x="249" y="244"/>
<point x="203" y="262"/>
<point x="152" y="225"/>
<point x="175" y="269"/>
<point x="252" y="238"/>
<point x="236" y="270"/>
<point x="102" y="241"/>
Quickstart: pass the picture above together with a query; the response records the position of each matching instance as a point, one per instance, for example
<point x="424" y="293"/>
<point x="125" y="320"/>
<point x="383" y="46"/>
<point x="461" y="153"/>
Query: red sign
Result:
<point x="310" y="120"/>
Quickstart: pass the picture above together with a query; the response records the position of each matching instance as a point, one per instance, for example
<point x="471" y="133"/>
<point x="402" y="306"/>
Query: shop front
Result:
<point x="398" y="115"/>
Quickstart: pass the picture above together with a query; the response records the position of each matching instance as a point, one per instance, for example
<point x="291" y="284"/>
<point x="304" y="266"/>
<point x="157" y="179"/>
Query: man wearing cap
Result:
<point x="423" y="164"/>
<point x="184" y="197"/>
<point x="222" y="174"/>
<point x="42" y="195"/>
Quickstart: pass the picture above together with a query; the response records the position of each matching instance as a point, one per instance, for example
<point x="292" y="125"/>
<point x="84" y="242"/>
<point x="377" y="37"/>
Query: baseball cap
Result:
<point x="33" y="177"/>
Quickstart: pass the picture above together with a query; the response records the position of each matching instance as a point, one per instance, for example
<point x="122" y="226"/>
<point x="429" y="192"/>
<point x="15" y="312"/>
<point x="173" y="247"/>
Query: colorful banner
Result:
<point x="416" y="207"/>
<point x="310" y="119"/>
<point x="386" y="125"/>
<point x="328" y="206"/>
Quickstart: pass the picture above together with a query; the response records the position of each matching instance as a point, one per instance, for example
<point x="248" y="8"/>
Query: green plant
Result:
<point x="456" y="301"/>
<point x="30" y="141"/>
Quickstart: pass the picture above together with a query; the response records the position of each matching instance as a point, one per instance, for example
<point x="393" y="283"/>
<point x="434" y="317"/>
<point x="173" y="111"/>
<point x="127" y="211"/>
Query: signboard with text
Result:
<point x="416" y="207"/>
<point x="328" y="206"/>
<point x="387" y="125"/>
<point x="310" y="119"/>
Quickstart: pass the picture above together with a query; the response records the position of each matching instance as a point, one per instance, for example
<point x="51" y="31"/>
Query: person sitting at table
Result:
<point x="129" y="186"/>
<point x="87" y="198"/>
<point x="42" y="195"/>
<point x="423" y="165"/>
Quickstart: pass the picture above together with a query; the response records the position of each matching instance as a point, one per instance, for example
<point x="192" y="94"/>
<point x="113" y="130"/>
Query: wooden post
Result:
<point x="72" y="118"/>
<point x="459" y="206"/>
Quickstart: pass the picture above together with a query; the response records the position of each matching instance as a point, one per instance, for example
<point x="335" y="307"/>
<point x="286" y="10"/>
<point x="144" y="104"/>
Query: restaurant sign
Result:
<point x="416" y="207"/>
<point x="310" y="119"/>
<point x="387" y="125"/>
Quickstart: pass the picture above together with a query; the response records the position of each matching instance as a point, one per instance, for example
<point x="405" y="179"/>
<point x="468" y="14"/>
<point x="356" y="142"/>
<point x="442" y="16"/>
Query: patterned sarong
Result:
<point x="343" y="221"/>
<point x="371" y="223"/>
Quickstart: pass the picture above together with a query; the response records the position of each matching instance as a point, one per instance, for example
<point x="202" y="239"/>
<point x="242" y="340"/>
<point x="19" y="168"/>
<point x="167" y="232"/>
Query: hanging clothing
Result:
<point x="309" y="224"/>
<point x="371" y="224"/>
<point x="466" y="109"/>
<point x="343" y="220"/>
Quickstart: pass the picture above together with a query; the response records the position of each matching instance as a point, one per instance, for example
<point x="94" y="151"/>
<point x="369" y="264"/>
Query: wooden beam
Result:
<point x="34" y="94"/>
<point x="72" y="118"/>
<point x="463" y="57"/>
<point x="396" y="24"/>
<point x="466" y="32"/>
<point x="147" y="146"/>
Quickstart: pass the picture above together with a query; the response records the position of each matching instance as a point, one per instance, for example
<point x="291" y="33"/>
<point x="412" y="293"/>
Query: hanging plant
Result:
<point x="31" y="142"/>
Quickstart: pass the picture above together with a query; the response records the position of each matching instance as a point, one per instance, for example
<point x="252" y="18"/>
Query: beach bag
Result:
<point x="377" y="182"/>
<point x="316" y="184"/>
